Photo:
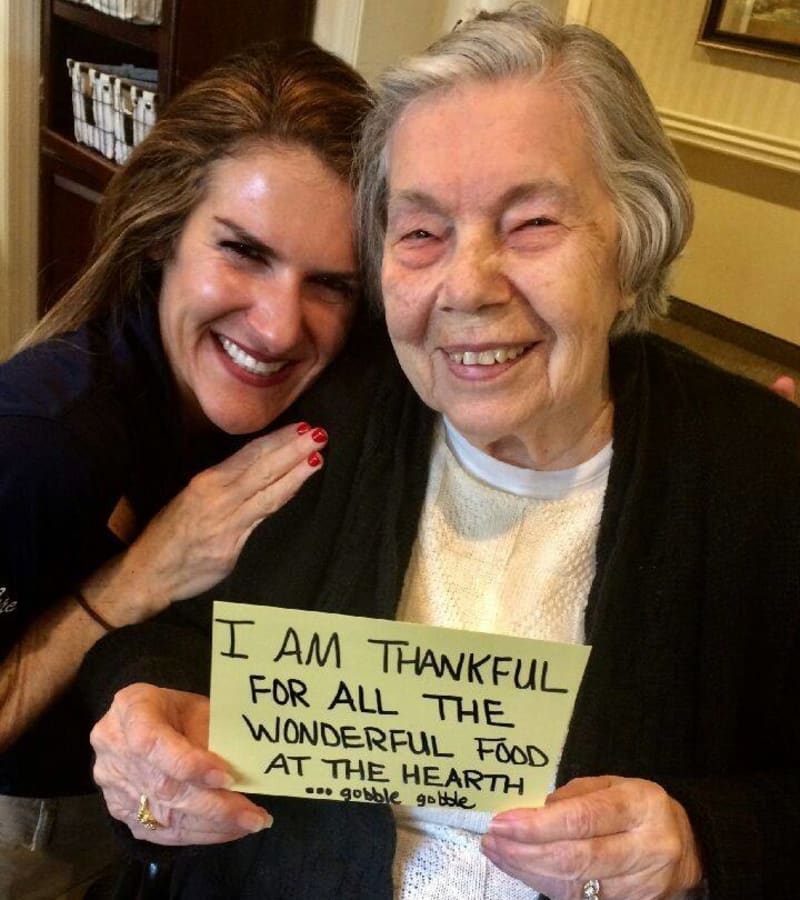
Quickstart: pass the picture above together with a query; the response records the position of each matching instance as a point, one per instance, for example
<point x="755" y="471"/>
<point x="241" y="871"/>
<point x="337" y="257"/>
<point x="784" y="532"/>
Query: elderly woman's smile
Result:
<point x="499" y="271"/>
<point x="484" y="357"/>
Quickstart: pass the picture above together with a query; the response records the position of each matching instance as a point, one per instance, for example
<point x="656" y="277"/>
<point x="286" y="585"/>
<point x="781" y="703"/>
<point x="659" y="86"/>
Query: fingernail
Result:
<point x="254" y="822"/>
<point x="315" y="460"/>
<point x="219" y="778"/>
<point x="489" y="845"/>
<point x="501" y="827"/>
<point x="303" y="427"/>
<point x="319" y="435"/>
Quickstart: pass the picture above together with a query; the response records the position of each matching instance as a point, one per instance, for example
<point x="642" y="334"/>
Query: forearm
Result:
<point x="45" y="660"/>
<point x="41" y="666"/>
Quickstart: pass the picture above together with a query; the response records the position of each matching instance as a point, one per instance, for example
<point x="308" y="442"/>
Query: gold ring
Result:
<point x="144" y="815"/>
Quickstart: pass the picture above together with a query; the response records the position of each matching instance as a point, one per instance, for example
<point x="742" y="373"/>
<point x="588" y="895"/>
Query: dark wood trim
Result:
<point x="86" y="159"/>
<point x="773" y="348"/>
<point x="167" y="50"/>
<point x="145" y="37"/>
<point x="712" y="35"/>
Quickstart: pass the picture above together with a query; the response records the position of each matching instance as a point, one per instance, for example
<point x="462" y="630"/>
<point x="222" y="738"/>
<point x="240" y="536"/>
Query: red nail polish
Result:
<point x="314" y="460"/>
<point x="303" y="427"/>
<point x="319" y="435"/>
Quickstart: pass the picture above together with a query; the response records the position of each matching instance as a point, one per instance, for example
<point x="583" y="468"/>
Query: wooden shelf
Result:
<point x="79" y="156"/>
<point x="145" y="37"/>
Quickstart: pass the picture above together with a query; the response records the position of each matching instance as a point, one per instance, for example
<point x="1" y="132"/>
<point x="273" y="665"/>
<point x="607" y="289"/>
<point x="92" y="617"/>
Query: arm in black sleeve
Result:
<point x="164" y="651"/>
<point x="55" y="500"/>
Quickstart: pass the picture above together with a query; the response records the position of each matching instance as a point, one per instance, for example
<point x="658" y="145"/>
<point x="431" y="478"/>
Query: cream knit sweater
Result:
<point x="505" y="550"/>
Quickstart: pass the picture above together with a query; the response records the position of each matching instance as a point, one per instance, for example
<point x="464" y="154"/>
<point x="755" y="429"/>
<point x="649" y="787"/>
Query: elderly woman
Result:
<point x="568" y="478"/>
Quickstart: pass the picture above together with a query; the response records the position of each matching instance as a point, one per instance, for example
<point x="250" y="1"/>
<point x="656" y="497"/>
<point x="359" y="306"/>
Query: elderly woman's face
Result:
<point x="259" y="293"/>
<point x="499" y="270"/>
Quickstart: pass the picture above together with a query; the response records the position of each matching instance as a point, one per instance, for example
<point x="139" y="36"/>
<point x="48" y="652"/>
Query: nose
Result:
<point x="473" y="276"/>
<point x="276" y="314"/>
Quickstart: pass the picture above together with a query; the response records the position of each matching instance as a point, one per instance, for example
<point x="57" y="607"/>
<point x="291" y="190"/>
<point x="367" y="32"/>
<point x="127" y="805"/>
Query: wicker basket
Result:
<point x="143" y="12"/>
<point x="114" y="107"/>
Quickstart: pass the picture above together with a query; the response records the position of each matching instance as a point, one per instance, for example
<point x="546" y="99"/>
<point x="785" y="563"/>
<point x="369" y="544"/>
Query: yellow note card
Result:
<point x="309" y="704"/>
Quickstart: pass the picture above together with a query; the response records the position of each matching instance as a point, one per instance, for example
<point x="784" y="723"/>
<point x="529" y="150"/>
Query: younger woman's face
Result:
<point x="260" y="290"/>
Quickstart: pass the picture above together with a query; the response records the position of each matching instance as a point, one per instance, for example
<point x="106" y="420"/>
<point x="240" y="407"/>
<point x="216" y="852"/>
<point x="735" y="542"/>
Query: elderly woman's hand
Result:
<point x="194" y="542"/>
<point x="627" y="833"/>
<point x="153" y="742"/>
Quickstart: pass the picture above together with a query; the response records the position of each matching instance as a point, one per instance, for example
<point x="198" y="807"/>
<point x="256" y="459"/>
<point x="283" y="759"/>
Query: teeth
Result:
<point x="247" y="362"/>
<point x="487" y="357"/>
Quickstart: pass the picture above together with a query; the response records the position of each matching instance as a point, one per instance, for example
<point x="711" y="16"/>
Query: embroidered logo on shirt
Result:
<point x="7" y="605"/>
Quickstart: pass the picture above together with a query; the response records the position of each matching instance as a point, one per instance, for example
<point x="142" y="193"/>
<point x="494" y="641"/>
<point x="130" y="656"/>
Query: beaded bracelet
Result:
<point x="82" y="602"/>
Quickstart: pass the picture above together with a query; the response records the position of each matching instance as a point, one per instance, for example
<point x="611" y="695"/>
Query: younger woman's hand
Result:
<point x="194" y="542"/>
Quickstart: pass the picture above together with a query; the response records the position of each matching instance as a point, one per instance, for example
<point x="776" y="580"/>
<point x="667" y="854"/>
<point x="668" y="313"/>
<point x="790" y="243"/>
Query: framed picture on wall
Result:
<point x="765" y="27"/>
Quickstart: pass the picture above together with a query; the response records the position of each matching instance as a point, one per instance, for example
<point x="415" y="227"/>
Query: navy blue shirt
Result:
<point x="85" y="420"/>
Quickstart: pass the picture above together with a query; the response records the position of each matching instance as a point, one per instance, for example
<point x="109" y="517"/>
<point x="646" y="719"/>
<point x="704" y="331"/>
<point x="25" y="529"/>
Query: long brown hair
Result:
<point x="291" y="93"/>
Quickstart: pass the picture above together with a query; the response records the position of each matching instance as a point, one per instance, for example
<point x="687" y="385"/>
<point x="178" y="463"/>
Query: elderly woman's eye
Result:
<point x="537" y="222"/>
<point x="418" y="234"/>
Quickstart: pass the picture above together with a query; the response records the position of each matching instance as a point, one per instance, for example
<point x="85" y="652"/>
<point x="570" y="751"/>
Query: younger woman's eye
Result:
<point x="239" y="248"/>
<point x="340" y="288"/>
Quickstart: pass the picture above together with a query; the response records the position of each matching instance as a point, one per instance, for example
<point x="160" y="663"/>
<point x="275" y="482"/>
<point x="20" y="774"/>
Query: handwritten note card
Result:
<point x="328" y="706"/>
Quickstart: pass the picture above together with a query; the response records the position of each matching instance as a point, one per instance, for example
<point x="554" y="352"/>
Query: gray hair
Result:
<point x="633" y="155"/>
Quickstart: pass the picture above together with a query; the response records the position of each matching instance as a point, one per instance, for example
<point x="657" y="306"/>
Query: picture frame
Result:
<point x="762" y="27"/>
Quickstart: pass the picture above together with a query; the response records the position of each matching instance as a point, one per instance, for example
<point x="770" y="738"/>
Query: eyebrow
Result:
<point x="547" y="189"/>
<point x="518" y="193"/>
<point x="415" y="198"/>
<point x="243" y="235"/>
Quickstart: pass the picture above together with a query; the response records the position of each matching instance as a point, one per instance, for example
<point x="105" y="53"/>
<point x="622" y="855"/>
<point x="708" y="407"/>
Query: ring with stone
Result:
<point x="591" y="890"/>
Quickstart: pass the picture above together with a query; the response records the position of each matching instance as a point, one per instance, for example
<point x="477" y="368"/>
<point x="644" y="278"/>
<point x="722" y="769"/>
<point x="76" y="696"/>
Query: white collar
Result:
<point x="543" y="485"/>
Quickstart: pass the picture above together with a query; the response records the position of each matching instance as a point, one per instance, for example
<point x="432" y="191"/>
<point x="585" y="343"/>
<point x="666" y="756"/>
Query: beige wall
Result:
<point x="736" y="121"/>
<point x="19" y="83"/>
<point x="371" y="34"/>
<point x="391" y="30"/>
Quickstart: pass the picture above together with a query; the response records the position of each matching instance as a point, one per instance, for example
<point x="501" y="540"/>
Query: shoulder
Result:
<point x="79" y="386"/>
<point x="723" y="407"/>
<point x="59" y="378"/>
<point x="47" y="379"/>
<point x="720" y="448"/>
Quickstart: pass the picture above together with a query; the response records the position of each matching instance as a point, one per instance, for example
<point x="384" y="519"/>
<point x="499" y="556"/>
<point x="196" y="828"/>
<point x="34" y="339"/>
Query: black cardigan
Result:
<point x="694" y="616"/>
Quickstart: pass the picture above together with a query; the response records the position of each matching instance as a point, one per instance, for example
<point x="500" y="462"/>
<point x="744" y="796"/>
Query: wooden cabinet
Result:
<point x="193" y="34"/>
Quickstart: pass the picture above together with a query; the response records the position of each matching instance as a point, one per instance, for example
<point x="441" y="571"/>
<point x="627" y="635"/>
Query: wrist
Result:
<point x="90" y="611"/>
<point x="119" y="594"/>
